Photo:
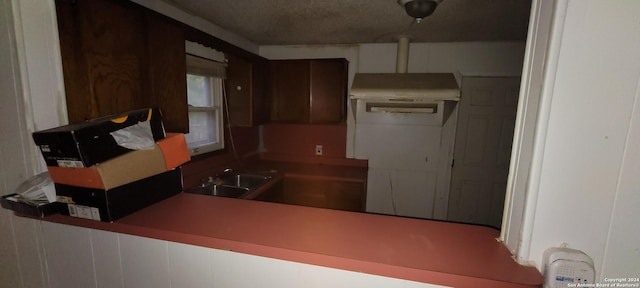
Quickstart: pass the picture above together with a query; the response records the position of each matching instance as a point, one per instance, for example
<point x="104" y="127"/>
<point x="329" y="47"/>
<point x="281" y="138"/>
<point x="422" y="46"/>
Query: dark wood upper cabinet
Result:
<point x="245" y="86"/>
<point x="328" y="90"/>
<point x="289" y="90"/>
<point x="118" y="56"/>
<point x="168" y="70"/>
<point x="308" y="91"/>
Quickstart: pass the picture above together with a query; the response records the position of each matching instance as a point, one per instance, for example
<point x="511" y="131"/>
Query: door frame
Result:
<point x="540" y="65"/>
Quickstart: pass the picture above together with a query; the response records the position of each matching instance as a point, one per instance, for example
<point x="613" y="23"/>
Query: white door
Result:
<point x="482" y="150"/>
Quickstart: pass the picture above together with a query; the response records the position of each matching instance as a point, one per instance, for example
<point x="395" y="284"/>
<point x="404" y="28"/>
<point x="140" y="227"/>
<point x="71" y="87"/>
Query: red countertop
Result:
<point x="450" y="254"/>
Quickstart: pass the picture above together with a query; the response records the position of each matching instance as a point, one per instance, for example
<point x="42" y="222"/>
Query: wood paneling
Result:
<point x="118" y="56"/>
<point x="103" y="56"/>
<point x="260" y="98"/>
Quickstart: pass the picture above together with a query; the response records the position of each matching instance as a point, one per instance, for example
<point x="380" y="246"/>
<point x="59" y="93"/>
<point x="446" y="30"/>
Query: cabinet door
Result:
<point x="168" y="70"/>
<point x="239" y="90"/>
<point x="245" y="92"/>
<point x="118" y="56"/>
<point x="290" y="91"/>
<point x="308" y="91"/>
<point x="341" y="195"/>
<point x="274" y="194"/>
<point x="305" y="192"/>
<point x="348" y="196"/>
<point x="328" y="90"/>
<point x="103" y="57"/>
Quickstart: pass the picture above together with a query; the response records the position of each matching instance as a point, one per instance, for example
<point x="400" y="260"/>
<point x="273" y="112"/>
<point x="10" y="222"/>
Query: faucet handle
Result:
<point x="205" y="181"/>
<point x="227" y="171"/>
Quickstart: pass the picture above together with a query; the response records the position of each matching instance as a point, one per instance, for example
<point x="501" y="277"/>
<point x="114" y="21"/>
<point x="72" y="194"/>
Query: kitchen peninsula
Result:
<point x="450" y="254"/>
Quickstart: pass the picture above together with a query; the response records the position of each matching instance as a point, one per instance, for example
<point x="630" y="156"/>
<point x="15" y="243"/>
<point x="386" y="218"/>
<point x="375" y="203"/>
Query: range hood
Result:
<point x="405" y="87"/>
<point x="401" y="94"/>
<point x="404" y="92"/>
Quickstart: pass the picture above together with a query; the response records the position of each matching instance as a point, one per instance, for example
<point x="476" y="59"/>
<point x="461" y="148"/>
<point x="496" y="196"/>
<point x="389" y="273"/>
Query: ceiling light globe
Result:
<point x="419" y="8"/>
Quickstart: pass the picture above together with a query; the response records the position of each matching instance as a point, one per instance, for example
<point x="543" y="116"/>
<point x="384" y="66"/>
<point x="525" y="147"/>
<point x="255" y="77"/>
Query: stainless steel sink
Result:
<point x="219" y="190"/>
<point x="244" y="180"/>
<point x="234" y="185"/>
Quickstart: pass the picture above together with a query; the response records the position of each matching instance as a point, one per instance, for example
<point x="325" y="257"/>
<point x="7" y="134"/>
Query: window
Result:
<point x="206" y="129"/>
<point x="205" y="72"/>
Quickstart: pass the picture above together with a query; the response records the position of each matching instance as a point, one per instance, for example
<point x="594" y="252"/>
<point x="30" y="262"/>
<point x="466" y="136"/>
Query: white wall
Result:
<point x="466" y="58"/>
<point x="587" y="188"/>
<point x="81" y="257"/>
<point x="29" y="66"/>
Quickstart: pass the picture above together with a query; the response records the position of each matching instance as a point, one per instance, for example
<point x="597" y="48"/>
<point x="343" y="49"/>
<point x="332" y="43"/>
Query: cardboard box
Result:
<point x="168" y="154"/>
<point x="175" y="150"/>
<point x="88" y="143"/>
<point x="110" y="205"/>
<point x="14" y="202"/>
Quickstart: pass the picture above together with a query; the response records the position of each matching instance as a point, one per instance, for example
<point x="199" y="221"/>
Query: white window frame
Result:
<point x="207" y="62"/>
<point x="216" y="108"/>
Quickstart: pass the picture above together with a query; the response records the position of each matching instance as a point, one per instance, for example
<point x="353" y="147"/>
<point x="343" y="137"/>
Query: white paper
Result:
<point x="135" y="137"/>
<point x="38" y="188"/>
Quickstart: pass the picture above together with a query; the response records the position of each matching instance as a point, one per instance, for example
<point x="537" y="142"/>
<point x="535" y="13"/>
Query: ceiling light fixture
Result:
<point x="419" y="8"/>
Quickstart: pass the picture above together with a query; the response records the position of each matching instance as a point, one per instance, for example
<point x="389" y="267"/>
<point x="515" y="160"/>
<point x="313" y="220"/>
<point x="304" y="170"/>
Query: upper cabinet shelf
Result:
<point x="308" y="91"/>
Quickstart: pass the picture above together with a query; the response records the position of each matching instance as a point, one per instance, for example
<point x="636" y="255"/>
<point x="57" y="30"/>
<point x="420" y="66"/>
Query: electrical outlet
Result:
<point x="318" y="150"/>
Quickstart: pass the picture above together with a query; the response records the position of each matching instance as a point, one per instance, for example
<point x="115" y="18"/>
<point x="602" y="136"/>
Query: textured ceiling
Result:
<point x="286" y="22"/>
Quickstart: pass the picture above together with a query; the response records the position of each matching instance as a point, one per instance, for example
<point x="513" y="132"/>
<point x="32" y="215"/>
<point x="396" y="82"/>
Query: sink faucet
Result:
<point x="225" y="172"/>
<point x="212" y="179"/>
